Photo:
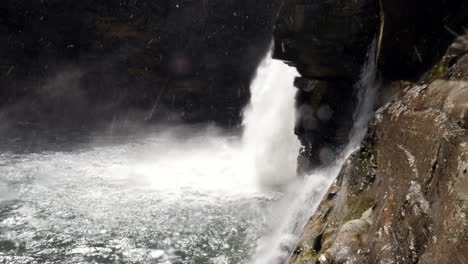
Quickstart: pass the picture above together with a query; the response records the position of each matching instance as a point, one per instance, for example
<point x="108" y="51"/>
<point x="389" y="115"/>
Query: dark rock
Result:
<point x="326" y="39"/>
<point x="324" y="113"/>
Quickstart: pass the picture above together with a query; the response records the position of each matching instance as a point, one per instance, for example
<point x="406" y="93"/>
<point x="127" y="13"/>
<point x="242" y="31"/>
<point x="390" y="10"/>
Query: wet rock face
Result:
<point x="402" y="198"/>
<point x="326" y="39"/>
<point x="324" y="118"/>
<point x="327" y="42"/>
<point x="155" y="59"/>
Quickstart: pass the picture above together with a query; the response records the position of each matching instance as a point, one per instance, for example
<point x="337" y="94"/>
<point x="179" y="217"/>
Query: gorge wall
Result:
<point x="401" y="198"/>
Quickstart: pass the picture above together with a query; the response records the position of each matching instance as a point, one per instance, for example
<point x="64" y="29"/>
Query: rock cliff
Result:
<point x="403" y="197"/>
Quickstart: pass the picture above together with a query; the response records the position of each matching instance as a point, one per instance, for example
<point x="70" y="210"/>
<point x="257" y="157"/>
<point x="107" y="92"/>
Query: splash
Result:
<point x="304" y="196"/>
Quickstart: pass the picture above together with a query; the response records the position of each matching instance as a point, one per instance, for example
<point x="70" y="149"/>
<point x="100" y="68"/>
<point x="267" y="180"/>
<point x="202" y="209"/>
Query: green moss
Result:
<point x="357" y="206"/>
<point x="325" y="247"/>
<point x="310" y="255"/>
<point x="440" y="71"/>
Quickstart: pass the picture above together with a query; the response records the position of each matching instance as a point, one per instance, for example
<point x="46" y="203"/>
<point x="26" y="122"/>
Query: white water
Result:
<point x="269" y="141"/>
<point x="156" y="199"/>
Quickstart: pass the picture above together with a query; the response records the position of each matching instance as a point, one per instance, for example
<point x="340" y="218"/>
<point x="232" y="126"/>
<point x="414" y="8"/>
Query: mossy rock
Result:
<point x="357" y="206"/>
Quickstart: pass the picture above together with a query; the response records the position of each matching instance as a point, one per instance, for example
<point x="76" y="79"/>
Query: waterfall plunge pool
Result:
<point x="160" y="198"/>
<point x="156" y="198"/>
<point x="153" y="200"/>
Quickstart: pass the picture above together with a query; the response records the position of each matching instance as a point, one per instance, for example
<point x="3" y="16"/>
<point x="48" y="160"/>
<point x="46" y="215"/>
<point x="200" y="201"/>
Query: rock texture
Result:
<point x="403" y="197"/>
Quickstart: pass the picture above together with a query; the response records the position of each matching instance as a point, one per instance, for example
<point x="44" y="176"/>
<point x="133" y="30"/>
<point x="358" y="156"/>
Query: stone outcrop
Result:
<point x="403" y="197"/>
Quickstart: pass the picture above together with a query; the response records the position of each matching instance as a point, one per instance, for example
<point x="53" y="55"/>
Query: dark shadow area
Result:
<point x="73" y="65"/>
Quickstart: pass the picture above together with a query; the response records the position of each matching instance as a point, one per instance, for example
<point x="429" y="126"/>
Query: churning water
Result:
<point x="164" y="197"/>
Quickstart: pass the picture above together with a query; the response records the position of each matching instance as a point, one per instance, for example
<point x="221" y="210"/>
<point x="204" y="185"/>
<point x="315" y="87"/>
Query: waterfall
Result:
<point x="304" y="196"/>
<point x="366" y="92"/>
<point x="175" y="195"/>
<point x="268" y="139"/>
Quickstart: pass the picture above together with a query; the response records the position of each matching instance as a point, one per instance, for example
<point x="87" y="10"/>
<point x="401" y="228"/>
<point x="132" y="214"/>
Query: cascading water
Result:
<point x="269" y="122"/>
<point x="303" y="198"/>
<point x="163" y="197"/>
